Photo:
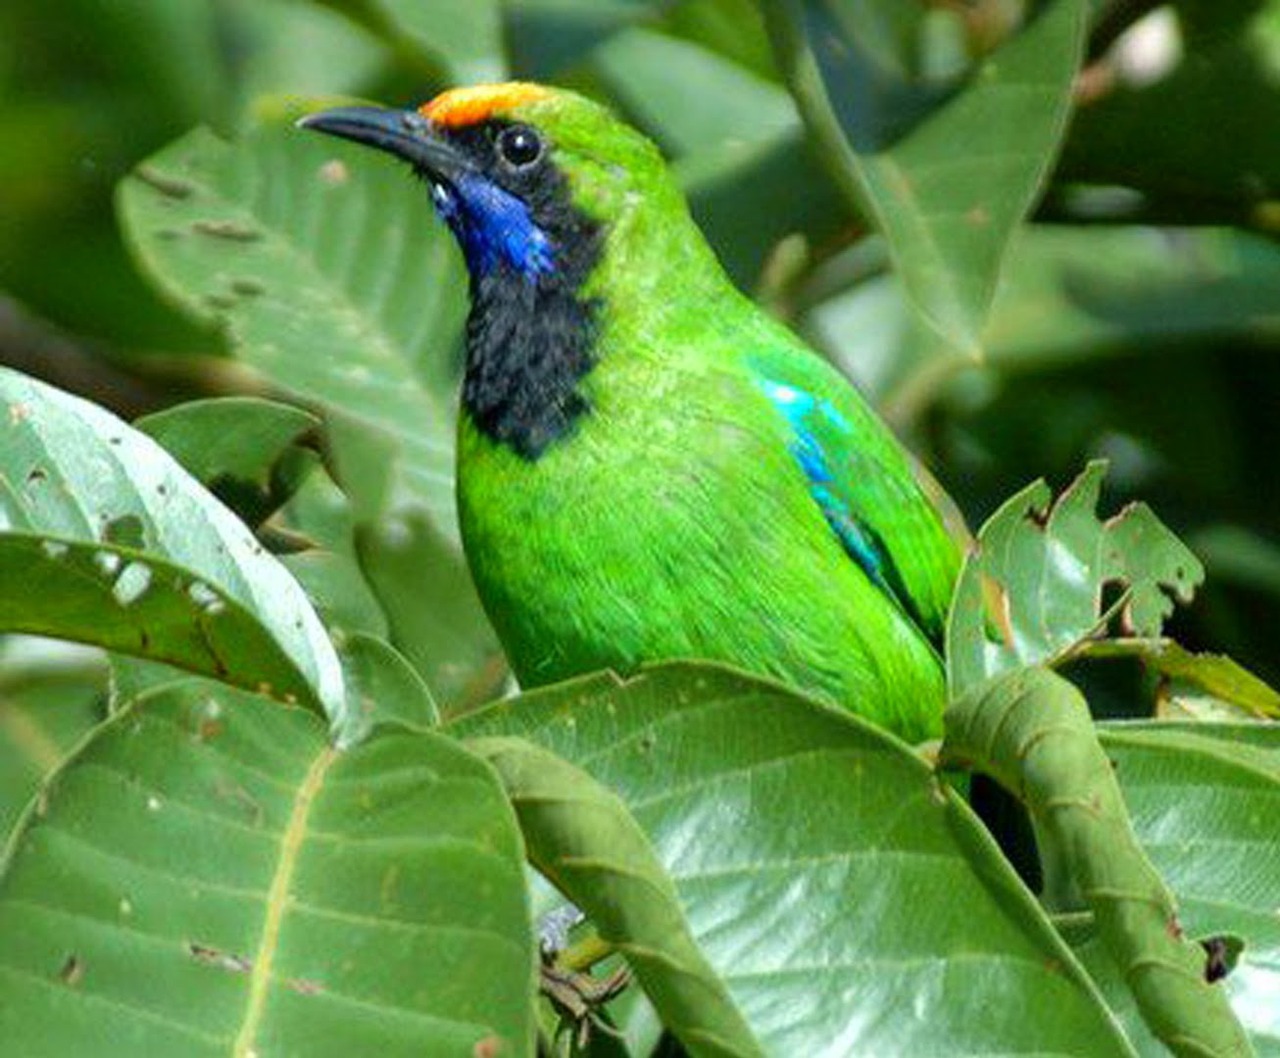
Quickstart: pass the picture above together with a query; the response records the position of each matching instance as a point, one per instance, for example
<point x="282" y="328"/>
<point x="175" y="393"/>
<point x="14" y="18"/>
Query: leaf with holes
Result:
<point x="234" y="446"/>
<point x="947" y="170"/>
<point x="106" y="540"/>
<point x="330" y="276"/>
<point x="210" y="877"/>
<point x="1047" y="562"/>
<point x="819" y="863"/>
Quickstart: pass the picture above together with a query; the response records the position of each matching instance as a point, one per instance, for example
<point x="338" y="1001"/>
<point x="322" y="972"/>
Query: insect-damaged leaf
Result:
<point x="210" y="877"/>
<point x="1043" y="565"/>
<point x="107" y="540"/>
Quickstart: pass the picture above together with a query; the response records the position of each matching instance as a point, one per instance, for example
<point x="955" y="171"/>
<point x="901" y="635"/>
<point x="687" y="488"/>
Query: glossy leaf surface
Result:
<point x="209" y="876"/>
<point x="819" y="863"/>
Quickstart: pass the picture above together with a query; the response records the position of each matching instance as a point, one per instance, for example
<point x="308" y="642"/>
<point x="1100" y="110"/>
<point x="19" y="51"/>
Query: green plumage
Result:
<point x="649" y="466"/>
<point x="675" y="521"/>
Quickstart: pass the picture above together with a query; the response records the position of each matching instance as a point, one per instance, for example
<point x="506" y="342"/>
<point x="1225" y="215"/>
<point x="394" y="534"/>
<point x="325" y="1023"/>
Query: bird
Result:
<point x="651" y="467"/>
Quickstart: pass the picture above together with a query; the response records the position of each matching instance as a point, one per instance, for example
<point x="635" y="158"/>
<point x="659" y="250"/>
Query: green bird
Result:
<point x="649" y="466"/>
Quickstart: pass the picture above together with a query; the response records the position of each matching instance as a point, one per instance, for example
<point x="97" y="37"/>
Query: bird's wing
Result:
<point x="865" y="485"/>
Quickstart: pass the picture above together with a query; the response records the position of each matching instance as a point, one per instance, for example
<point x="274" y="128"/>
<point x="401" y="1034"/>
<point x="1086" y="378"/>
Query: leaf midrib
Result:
<point x="278" y="898"/>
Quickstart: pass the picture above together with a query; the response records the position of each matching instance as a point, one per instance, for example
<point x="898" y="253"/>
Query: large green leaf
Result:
<point x="947" y="178"/>
<point x="210" y="876"/>
<point x="1047" y="562"/>
<point x="107" y="540"/>
<point x="1204" y="799"/>
<point x="330" y="275"/>
<point x="819" y="864"/>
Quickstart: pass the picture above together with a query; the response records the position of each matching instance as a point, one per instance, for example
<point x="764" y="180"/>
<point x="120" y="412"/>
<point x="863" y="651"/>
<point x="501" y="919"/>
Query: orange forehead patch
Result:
<point x="460" y="107"/>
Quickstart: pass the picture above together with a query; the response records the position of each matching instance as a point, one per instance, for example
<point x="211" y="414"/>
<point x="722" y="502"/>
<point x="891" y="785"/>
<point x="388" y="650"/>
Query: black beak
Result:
<point x="404" y="133"/>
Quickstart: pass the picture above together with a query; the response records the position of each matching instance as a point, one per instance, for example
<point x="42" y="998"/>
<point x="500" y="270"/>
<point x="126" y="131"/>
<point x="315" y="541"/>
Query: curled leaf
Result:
<point x="1031" y="730"/>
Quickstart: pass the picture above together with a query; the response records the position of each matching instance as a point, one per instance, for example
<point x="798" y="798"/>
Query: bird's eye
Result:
<point x="519" y="146"/>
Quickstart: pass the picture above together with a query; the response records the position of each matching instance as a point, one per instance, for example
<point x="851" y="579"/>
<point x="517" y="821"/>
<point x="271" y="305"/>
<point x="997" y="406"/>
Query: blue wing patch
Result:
<point x="803" y="412"/>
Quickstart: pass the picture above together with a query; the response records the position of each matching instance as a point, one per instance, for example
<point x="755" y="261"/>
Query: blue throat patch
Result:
<point x="493" y="227"/>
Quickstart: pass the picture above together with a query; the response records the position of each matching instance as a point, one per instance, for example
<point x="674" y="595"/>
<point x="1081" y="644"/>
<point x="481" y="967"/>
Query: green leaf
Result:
<point x="51" y="696"/>
<point x="382" y="686"/>
<point x="315" y="534"/>
<point x="330" y="276"/>
<point x="1204" y="799"/>
<point x="241" y="438"/>
<point x="132" y="602"/>
<point x="1048" y="561"/>
<point x="435" y="618"/>
<point x="819" y="863"/>
<point x="210" y="876"/>
<point x="948" y="187"/>
<point x="582" y="838"/>
<point x="1216" y="675"/>
<point x="108" y="541"/>
<point x="453" y="40"/>
<point x="1031" y="730"/>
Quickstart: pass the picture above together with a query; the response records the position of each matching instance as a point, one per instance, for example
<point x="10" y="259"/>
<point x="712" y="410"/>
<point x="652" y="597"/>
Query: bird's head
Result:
<point x="568" y="219"/>
<point x="530" y="178"/>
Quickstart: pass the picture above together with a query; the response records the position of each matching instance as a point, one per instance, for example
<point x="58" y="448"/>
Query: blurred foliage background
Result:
<point x="1137" y="317"/>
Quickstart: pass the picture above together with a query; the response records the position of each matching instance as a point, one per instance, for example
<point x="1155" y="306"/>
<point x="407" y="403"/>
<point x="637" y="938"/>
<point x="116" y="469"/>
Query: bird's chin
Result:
<point x="443" y="195"/>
